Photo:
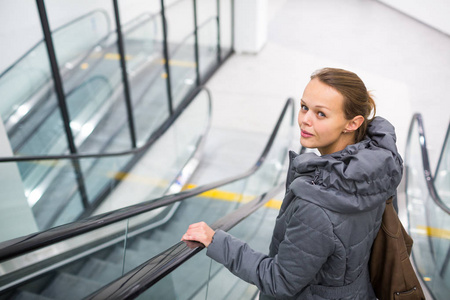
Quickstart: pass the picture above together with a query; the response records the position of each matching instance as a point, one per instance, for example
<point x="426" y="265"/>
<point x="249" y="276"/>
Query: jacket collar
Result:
<point x="359" y="178"/>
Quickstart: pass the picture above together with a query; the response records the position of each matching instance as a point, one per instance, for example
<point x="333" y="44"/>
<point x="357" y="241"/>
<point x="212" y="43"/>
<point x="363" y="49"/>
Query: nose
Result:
<point x="304" y="118"/>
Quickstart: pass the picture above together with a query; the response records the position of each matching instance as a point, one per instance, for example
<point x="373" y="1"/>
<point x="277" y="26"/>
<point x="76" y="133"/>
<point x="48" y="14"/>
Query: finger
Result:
<point x="195" y="225"/>
<point x="186" y="237"/>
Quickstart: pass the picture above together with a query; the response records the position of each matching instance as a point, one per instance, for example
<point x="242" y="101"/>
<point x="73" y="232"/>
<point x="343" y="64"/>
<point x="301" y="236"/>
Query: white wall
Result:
<point x="435" y="13"/>
<point x="19" y="31"/>
<point x="251" y="23"/>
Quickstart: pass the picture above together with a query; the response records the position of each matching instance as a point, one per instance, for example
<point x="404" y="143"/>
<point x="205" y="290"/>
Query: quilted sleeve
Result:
<point x="307" y="244"/>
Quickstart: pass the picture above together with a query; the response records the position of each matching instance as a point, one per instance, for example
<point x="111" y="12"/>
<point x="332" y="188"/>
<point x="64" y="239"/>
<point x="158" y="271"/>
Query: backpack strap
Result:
<point x="337" y="292"/>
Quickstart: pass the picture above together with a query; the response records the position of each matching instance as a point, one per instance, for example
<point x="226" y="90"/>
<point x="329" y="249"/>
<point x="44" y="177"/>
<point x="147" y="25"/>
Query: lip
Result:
<point x="305" y="133"/>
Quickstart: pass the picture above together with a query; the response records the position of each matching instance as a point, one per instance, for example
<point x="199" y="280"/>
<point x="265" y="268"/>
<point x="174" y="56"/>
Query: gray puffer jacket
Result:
<point x="327" y="223"/>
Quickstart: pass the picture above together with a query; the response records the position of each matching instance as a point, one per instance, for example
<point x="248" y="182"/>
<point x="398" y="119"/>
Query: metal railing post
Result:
<point x="61" y="99"/>
<point x="166" y="58"/>
<point x="197" y="65"/>
<point x="60" y="96"/>
<point x="232" y="25"/>
<point x="219" y="50"/>
<point x="123" y="66"/>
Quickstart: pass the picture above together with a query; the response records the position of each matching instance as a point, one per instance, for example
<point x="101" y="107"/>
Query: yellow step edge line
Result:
<point x="172" y="62"/>
<point x="434" y="232"/>
<point x="214" y="194"/>
<point x="180" y="63"/>
<point x="232" y="197"/>
<point x="136" y="178"/>
<point x="116" y="56"/>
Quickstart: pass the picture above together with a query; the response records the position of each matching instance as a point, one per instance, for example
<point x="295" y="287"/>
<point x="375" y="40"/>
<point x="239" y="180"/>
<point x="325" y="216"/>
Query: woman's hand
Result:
<point x="199" y="232"/>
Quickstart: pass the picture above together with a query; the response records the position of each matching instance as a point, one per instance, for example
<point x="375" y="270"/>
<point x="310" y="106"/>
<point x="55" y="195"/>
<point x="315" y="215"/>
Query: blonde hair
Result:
<point x="357" y="100"/>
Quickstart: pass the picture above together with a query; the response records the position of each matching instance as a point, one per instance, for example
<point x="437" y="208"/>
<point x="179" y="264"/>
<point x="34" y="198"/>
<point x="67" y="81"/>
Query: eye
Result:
<point x="304" y="107"/>
<point x="321" y="114"/>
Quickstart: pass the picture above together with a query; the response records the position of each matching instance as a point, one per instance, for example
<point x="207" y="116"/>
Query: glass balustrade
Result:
<point x="202" y="278"/>
<point x="428" y="223"/>
<point x="442" y="176"/>
<point x="442" y="185"/>
<point x="90" y="69"/>
<point x="226" y="27"/>
<point x="79" y="258"/>
<point x="30" y="76"/>
<point x="207" y="46"/>
<point x="86" y="48"/>
<point x="151" y="178"/>
<point x="94" y="259"/>
<point x="181" y="47"/>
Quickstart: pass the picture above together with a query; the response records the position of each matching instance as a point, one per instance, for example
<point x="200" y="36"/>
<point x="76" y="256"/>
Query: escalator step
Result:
<point x="24" y="295"/>
<point x="132" y="260"/>
<point x="100" y="271"/>
<point x="67" y="286"/>
<point x="149" y="247"/>
<point x="116" y="255"/>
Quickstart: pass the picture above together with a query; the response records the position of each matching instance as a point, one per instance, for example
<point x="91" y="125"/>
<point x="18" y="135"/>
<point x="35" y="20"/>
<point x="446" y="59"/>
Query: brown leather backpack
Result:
<point x="391" y="272"/>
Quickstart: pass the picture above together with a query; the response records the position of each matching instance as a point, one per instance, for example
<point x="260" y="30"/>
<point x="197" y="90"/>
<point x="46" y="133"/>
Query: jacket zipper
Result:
<point x="406" y="292"/>
<point x="315" y="179"/>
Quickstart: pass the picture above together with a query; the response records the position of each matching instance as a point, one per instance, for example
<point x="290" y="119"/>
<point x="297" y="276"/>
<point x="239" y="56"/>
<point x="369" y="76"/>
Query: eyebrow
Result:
<point x="317" y="106"/>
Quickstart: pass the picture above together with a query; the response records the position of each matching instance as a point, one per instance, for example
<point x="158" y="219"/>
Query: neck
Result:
<point x="344" y="140"/>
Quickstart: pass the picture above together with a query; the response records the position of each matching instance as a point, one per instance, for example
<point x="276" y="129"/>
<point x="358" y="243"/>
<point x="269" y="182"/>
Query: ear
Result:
<point x="354" y="123"/>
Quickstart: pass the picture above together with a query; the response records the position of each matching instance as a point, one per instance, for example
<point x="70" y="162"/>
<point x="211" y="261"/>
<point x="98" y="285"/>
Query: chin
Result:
<point x="307" y="144"/>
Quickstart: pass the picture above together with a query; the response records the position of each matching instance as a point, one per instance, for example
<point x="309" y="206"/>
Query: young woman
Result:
<point x="333" y="205"/>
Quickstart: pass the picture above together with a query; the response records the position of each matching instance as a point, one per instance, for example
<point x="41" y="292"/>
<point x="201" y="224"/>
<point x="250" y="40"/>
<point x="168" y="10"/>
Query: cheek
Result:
<point x="327" y="130"/>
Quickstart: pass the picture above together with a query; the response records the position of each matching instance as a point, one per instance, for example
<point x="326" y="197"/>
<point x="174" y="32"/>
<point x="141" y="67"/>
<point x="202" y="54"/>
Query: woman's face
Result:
<point x="321" y="119"/>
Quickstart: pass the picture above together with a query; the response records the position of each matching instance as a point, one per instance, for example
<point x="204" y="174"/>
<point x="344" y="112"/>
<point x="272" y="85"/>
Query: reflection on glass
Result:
<point x="94" y="259"/>
<point x="87" y="263"/>
<point x="42" y="189"/>
<point x="143" y="40"/>
<point x="256" y="230"/>
<point x="206" y="10"/>
<point x="442" y="184"/>
<point x="207" y="46"/>
<point x="181" y="44"/>
<point x="28" y="77"/>
<point x="183" y="69"/>
<point x="427" y="222"/>
<point x="61" y="191"/>
<point x="442" y="177"/>
<point x="200" y="277"/>
<point x="226" y="36"/>
<point x="71" y="47"/>
<point x="175" y="149"/>
<point x="179" y="285"/>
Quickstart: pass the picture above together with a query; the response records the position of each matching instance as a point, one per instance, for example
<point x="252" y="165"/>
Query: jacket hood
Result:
<point x="358" y="178"/>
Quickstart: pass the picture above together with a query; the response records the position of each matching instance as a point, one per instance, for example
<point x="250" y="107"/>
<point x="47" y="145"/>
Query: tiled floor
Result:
<point x="404" y="62"/>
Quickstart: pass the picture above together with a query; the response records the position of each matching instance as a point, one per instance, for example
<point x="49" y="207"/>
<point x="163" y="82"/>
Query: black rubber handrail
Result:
<point x="141" y="278"/>
<point x="429" y="179"/>
<point x="21" y="245"/>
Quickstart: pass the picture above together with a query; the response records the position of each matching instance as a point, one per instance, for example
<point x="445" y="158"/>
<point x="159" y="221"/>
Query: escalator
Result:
<point x="95" y="99"/>
<point x="79" y="258"/>
<point x="428" y="207"/>
<point x="138" y="254"/>
<point x="428" y="216"/>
